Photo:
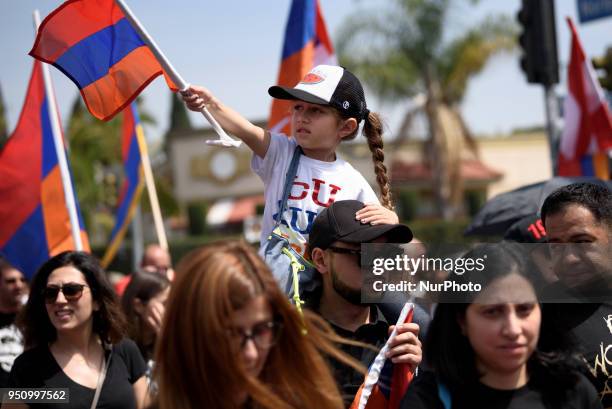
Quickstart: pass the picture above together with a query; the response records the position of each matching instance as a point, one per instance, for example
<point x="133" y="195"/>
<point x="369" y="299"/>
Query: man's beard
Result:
<point x="349" y="294"/>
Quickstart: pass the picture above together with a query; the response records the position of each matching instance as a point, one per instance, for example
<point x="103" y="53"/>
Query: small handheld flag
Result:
<point x="386" y="382"/>
<point x="102" y="47"/>
<point x="95" y="46"/>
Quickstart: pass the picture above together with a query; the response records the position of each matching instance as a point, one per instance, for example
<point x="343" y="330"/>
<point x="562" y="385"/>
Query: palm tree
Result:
<point x="401" y="53"/>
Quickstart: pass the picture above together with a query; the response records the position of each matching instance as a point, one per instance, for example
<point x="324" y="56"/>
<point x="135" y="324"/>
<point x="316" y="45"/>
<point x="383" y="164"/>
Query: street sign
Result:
<point x="589" y="10"/>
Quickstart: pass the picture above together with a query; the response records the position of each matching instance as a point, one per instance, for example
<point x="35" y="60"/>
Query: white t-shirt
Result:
<point x="317" y="185"/>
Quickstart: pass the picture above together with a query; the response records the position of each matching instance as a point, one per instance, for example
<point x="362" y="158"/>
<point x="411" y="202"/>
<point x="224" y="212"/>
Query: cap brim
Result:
<point x="395" y="233"/>
<point x="292" y="93"/>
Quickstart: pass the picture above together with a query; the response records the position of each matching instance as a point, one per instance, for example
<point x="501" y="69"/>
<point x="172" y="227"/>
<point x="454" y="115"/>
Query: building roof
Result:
<point x="473" y="172"/>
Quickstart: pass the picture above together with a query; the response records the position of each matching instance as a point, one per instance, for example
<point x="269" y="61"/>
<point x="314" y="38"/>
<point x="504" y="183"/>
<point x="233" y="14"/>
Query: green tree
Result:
<point x="403" y="51"/>
<point x="94" y="149"/>
<point x="95" y="159"/>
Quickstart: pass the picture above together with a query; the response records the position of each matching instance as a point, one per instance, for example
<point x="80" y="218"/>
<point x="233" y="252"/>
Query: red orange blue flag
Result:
<point x="94" y="44"/>
<point x="34" y="219"/>
<point x="587" y="136"/>
<point x="386" y="383"/>
<point x="132" y="144"/>
<point x="306" y="45"/>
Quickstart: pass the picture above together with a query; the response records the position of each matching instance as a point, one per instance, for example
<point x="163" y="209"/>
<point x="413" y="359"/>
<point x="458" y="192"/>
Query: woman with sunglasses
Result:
<point x="231" y="339"/>
<point x="73" y="329"/>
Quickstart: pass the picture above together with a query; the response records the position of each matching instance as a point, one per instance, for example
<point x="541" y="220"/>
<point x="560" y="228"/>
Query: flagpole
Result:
<point x="137" y="238"/>
<point x="150" y="183"/>
<point x="60" y="150"/>
<point x="552" y="120"/>
<point x="224" y="138"/>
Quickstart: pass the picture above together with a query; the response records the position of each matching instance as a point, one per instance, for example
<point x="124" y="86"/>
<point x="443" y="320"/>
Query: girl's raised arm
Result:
<point x="256" y="138"/>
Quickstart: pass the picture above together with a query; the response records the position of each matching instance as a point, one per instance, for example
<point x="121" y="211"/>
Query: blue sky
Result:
<point x="233" y="48"/>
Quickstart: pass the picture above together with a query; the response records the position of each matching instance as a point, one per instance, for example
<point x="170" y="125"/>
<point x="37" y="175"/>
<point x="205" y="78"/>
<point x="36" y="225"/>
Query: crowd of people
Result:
<point x="222" y="331"/>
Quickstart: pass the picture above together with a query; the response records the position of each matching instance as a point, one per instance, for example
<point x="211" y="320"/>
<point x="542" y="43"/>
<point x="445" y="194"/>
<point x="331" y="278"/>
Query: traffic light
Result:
<point x="604" y="63"/>
<point x="539" y="41"/>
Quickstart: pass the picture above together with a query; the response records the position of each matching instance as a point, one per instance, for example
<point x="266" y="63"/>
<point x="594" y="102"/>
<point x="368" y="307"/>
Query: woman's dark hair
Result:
<point x="449" y="352"/>
<point x="597" y="198"/>
<point x="108" y="321"/>
<point x="142" y="286"/>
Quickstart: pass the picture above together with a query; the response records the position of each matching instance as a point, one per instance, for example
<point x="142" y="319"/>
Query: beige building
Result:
<point x="202" y="172"/>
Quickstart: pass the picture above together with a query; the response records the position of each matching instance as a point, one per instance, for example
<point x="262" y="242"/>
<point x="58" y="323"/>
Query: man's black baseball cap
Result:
<point x="338" y="223"/>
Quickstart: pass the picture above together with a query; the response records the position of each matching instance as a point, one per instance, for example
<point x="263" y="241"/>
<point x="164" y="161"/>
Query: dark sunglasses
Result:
<point x="341" y="250"/>
<point x="71" y="291"/>
<point x="264" y="334"/>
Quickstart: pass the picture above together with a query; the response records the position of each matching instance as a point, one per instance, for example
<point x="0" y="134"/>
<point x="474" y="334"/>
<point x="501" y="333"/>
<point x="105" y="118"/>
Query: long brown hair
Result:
<point x="373" y="130"/>
<point x="196" y="365"/>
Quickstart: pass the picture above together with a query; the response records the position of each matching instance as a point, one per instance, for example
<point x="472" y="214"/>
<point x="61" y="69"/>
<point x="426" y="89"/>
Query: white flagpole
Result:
<point x="224" y="139"/>
<point x="60" y="150"/>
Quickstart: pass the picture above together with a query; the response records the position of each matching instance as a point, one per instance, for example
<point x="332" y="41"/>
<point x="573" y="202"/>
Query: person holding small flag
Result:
<point x="334" y="244"/>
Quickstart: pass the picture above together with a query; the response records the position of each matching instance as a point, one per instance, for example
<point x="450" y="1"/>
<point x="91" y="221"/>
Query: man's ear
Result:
<point x="347" y="127"/>
<point x="320" y="260"/>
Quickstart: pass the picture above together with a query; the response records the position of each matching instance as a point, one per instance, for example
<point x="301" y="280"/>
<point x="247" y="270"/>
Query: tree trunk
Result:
<point x="454" y="142"/>
<point x="436" y="148"/>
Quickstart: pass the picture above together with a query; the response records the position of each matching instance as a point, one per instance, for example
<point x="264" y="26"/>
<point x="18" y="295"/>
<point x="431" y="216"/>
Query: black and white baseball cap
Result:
<point x="328" y="85"/>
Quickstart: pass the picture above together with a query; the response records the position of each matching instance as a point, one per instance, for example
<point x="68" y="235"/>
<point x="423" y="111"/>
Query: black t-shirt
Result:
<point x="594" y="336"/>
<point x="591" y="326"/>
<point x="376" y="334"/>
<point x="424" y="394"/>
<point x="37" y="368"/>
<point x="11" y="345"/>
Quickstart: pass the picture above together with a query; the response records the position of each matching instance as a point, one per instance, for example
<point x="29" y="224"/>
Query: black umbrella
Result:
<point x="505" y="209"/>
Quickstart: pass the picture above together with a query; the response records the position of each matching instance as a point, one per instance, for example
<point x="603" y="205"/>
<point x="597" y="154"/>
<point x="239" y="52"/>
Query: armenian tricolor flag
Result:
<point x="34" y="220"/>
<point x="306" y="46"/>
<point x="587" y="136"/>
<point x="386" y="383"/>
<point x="132" y="145"/>
<point x="94" y="44"/>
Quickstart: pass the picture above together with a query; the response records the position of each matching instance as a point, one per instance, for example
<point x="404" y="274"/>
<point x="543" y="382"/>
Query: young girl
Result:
<point x="328" y="106"/>
<point x="496" y="349"/>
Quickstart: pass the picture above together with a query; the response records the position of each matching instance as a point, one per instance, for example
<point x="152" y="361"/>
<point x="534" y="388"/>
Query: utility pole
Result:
<point x="540" y="62"/>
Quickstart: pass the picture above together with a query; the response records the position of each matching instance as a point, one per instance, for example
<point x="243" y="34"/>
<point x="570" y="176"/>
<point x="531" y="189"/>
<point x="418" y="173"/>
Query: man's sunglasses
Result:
<point x="342" y="250"/>
<point x="71" y="291"/>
